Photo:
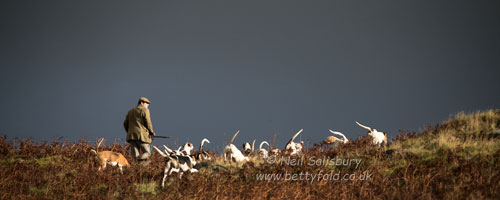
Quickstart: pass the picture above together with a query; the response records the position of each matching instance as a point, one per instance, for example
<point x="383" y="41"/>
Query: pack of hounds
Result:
<point x="184" y="159"/>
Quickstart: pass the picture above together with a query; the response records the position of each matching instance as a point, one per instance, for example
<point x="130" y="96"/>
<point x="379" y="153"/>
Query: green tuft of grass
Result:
<point x="147" y="188"/>
<point x="37" y="191"/>
<point x="395" y="166"/>
<point x="50" y="160"/>
<point x="42" y="162"/>
<point x="102" y="187"/>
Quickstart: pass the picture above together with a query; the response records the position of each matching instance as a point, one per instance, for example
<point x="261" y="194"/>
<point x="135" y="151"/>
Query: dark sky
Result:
<point x="74" y="68"/>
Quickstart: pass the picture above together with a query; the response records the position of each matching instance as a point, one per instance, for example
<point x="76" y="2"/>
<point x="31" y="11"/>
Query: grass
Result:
<point x="469" y="135"/>
<point x="456" y="159"/>
<point x="147" y="188"/>
<point x="42" y="162"/>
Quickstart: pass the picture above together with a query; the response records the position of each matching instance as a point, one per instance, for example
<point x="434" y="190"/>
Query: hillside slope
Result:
<point x="459" y="158"/>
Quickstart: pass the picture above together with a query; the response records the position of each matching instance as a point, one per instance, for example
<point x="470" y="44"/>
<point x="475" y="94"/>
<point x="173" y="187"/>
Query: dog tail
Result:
<point x="294" y="136"/>
<point x="99" y="143"/>
<point x="159" y="151"/>
<point x="253" y="145"/>
<point x="234" y="136"/>
<point x="203" y="142"/>
<point x="263" y="142"/>
<point x="344" y="139"/>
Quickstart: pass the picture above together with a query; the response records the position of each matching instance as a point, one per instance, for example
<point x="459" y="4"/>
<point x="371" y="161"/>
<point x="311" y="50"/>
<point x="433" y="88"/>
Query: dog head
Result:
<point x="187" y="148"/>
<point x="247" y="148"/>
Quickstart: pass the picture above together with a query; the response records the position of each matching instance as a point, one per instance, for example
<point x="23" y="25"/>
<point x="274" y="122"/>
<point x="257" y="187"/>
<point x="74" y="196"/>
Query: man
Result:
<point x="139" y="130"/>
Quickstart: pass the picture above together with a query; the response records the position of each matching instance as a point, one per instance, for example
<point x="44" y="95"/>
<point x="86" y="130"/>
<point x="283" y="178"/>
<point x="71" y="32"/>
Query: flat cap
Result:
<point x="144" y="99"/>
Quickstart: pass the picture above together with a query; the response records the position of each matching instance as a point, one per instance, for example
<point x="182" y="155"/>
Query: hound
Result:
<point x="248" y="148"/>
<point x="294" y="148"/>
<point x="202" y="155"/>
<point x="233" y="152"/>
<point x="109" y="157"/>
<point x="187" y="148"/>
<point x="176" y="163"/>
<point x="333" y="139"/>
<point x="263" y="152"/>
<point x="379" y="138"/>
<point x="276" y="151"/>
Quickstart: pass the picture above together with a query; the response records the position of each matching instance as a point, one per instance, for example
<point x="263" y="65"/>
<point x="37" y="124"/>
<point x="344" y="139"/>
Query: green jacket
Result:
<point x="138" y="125"/>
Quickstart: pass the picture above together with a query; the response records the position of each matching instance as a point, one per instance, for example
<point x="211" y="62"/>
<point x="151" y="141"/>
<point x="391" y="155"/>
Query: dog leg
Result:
<point x="176" y="170"/>
<point x="165" y="174"/>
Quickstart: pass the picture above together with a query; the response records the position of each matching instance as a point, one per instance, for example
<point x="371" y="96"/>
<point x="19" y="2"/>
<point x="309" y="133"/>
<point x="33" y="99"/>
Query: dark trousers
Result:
<point x="140" y="150"/>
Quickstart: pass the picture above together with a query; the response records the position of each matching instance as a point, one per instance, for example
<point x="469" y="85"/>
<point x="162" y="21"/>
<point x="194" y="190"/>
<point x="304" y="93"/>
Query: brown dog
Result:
<point x="109" y="157"/>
